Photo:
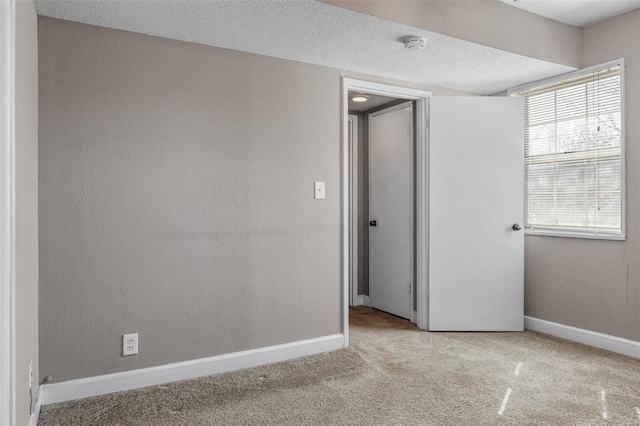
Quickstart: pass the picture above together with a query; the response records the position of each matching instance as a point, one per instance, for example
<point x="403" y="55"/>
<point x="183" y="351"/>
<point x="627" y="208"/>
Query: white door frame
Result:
<point x="7" y="216"/>
<point x="353" y="205"/>
<point x="421" y="232"/>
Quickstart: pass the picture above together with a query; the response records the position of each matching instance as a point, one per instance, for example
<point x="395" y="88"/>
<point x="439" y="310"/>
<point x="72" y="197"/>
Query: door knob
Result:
<point x="373" y="223"/>
<point x="516" y="227"/>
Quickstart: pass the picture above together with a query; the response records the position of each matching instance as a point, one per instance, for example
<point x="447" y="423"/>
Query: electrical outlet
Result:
<point x="130" y="344"/>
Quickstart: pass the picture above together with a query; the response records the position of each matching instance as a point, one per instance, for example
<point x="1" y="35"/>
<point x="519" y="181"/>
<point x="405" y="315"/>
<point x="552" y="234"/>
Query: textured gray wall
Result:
<point x="176" y="200"/>
<point x="26" y="128"/>
<point x="595" y="284"/>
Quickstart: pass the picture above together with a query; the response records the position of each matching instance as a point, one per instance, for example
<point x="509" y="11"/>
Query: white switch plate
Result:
<point x="318" y="190"/>
<point x="130" y="344"/>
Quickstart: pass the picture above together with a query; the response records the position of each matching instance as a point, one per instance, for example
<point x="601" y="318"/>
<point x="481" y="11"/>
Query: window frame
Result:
<point x="623" y="201"/>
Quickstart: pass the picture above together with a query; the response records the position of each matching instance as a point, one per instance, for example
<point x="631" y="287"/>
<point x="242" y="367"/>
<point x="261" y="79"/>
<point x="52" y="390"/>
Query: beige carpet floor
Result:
<point x="393" y="374"/>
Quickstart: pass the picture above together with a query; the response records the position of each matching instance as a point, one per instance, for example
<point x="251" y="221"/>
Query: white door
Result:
<point x="476" y="253"/>
<point x="391" y="210"/>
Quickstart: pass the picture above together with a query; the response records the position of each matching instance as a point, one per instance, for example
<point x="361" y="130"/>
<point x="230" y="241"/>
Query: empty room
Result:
<point x="319" y="212"/>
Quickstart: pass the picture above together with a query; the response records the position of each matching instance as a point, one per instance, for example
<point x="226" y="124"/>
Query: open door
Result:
<point x="476" y="244"/>
<point x="391" y="209"/>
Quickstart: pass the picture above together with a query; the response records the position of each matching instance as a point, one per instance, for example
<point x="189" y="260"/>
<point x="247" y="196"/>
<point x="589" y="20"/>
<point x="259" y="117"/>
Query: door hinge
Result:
<point x="409" y="287"/>
<point x="427" y="123"/>
<point x="409" y="129"/>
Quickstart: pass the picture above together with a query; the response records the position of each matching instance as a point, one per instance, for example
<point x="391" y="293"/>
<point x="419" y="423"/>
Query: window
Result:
<point x="574" y="154"/>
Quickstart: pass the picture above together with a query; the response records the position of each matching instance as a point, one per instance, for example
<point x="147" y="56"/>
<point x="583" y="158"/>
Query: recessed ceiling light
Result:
<point x="414" y="42"/>
<point x="360" y="98"/>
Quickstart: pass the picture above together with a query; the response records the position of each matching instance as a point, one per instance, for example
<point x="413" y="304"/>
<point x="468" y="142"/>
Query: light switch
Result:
<point x="318" y="190"/>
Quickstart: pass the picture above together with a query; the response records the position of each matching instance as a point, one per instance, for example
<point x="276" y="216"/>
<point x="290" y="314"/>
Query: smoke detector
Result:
<point x="414" y="42"/>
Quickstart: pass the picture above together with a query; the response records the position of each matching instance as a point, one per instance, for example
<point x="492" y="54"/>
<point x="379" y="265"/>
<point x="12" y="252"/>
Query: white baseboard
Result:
<point x="363" y="300"/>
<point x="587" y="337"/>
<point x="116" y="382"/>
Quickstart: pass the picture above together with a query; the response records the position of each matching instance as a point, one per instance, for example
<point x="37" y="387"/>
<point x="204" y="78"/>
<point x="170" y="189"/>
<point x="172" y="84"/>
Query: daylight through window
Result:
<point x="574" y="183"/>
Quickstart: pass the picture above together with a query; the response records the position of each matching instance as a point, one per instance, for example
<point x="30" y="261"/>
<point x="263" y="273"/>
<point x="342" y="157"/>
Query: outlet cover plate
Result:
<point x="129" y="344"/>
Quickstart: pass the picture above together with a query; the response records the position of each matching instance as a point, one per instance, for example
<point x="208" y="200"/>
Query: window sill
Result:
<point x="565" y="234"/>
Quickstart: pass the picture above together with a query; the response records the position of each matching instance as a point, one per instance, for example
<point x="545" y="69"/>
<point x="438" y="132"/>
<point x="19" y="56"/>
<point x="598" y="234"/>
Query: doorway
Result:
<point x="384" y="103"/>
<point x="470" y="275"/>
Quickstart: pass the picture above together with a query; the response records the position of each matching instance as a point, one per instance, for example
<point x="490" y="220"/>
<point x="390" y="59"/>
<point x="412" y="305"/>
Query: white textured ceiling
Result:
<point x="580" y="13"/>
<point x="316" y="33"/>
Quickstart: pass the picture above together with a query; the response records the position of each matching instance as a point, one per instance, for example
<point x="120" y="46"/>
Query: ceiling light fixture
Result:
<point x="360" y="98"/>
<point x="414" y="42"/>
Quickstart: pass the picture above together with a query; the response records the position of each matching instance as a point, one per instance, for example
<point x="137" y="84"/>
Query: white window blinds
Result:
<point x="573" y="155"/>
